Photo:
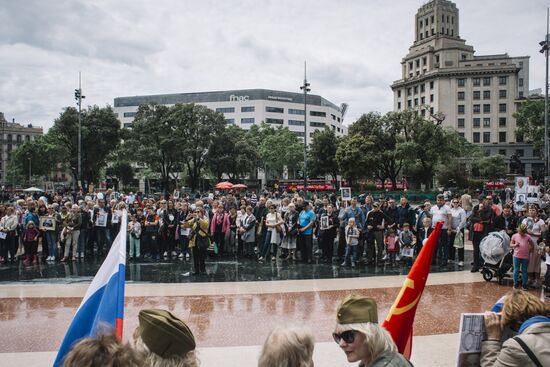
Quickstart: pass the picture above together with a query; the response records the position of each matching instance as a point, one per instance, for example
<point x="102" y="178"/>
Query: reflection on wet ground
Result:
<point x="180" y="271"/>
<point x="39" y="324"/>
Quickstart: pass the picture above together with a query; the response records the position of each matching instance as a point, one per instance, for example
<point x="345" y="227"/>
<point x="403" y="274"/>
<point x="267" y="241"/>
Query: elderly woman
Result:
<point x="360" y="336"/>
<point x="526" y="314"/>
<point x="287" y="347"/>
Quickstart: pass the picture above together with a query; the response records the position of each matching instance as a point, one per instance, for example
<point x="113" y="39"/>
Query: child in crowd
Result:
<point x="352" y="240"/>
<point x="392" y="246"/>
<point x="424" y="233"/>
<point x="406" y="243"/>
<point x="30" y="243"/>
<point x="134" y="229"/>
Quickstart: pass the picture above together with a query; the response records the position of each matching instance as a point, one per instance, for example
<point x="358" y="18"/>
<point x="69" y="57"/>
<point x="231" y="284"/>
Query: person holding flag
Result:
<point x="103" y="304"/>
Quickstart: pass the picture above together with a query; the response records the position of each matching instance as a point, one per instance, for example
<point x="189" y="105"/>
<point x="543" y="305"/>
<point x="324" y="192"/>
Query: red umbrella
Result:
<point x="226" y="185"/>
<point x="240" y="186"/>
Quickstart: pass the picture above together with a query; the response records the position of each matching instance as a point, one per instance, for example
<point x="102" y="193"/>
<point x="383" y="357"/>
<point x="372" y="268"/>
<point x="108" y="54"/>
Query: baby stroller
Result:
<point x="497" y="256"/>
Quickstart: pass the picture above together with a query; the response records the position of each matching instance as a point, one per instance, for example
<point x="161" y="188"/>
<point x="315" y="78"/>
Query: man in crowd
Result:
<point x="442" y="213"/>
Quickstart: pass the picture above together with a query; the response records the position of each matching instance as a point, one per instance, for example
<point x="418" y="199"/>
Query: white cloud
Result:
<point x="353" y="48"/>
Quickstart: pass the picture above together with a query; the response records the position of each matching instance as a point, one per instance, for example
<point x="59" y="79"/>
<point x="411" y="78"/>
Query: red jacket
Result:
<point x="225" y="223"/>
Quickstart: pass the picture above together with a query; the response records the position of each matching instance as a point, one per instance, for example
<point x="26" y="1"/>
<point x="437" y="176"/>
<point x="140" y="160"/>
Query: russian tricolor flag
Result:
<point x="103" y="303"/>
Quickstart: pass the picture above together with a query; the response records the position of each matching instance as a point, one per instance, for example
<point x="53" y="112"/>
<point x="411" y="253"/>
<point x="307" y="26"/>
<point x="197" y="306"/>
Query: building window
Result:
<point x="431" y="85"/>
<point x="410" y="65"/>
<point x="424" y="59"/>
<point x="519" y="152"/>
<point x="486" y="122"/>
<point x="409" y="103"/>
<point x="486" y="108"/>
<point x="487" y="81"/>
<point x="460" y="123"/>
<point x="486" y="94"/>
<point x="432" y="19"/>
<point x="476" y="122"/>
<point x="295" y="112"/>
<point x="422" y="100"/>
<point x="409" y="91"/>
<point x="416" y="101"/>
<point x="399" y="93"/>
<point x="502" y="152"/>
<point x="461" y="109"/>
<point x="398" y="105"/>
<point x="248" y="109"/>
<point x="477" y="108"/>
<point x="317" y="113"/>
<point x="476" y="137"/>
<point x="295" y="123"/>
<point x="422" y="88"/>
<point x="416" y="89"/>
<point x="486" y="137"/>
<point x="502" y="122"/>
<point x="520" y="94"/>
<point x="437" y="58"/>
<point x="461" y="135"/>
<point x="316" y="124"/>
<point x="129" y="114"/>
<point x="431" y="97"/>
<point x="502" y="107"/>
<point x="9" y="137"/>
<point x="476" y="82"/>
<point x="502" y="93"/>
<point x="274" y="121"/>
<point x="461" y="82"/>
<point x="247" y="120"/>
<point x="461" y="96"/>
<point x="477" y="94"/>
<point x="27" y="138"/>
<point x="19" y="138"/>
<point x="229" y="121"/>
<point x="521" y="82"/>
<point x="502" y="137"/>
<point x="417" y="62"/>
<point x="225" y="109"/>
<point x="128" y="125"/>
<point x="521" y="64"/>
<point x="274" y="109"/>
<point x="502" y="80"/>
<point x="519" y="138"/>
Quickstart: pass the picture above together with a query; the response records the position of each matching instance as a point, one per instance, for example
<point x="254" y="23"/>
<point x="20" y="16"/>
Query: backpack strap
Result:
<point x="528" y="350"/>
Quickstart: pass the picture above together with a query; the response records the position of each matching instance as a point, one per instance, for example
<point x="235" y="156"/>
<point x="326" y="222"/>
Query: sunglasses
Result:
<point x="348" y="336"/>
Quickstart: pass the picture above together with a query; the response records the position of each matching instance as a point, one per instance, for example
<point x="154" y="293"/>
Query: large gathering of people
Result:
<point x="364" y="231"/>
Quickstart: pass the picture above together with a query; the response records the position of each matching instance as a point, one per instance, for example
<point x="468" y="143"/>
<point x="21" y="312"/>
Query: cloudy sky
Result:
<point x="134" y="47"/>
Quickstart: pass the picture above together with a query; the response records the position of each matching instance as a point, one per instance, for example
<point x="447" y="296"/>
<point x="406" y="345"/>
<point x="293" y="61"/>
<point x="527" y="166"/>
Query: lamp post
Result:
<point x="306" y="89"/>
<point x="30" y="172"/>
<point x="544" y="50"/>
<point x="78" y="96"/>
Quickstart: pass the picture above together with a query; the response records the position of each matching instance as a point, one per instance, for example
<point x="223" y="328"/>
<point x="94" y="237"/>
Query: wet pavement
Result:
<point x="224" y="269"/>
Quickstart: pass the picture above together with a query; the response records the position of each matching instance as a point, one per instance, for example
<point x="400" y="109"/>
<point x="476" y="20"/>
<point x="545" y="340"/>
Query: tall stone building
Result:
<point x="13" y="135"/>
<point x="476" y="95"/>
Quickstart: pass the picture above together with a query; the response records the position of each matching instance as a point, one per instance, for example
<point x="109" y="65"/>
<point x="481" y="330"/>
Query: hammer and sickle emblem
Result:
<point x="409" y="283"/>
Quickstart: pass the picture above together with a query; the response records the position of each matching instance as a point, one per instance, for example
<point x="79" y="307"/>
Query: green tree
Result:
<point x="322" y="154"/>
<point x="351" y="158"/>
<point x="123" y="171"/>
<point x="492" y="167"/>
<point x="530" y="122"/>
<point x="232" y="152"/>
<point x="42" y="154"/>
<point x="100" y="135"/>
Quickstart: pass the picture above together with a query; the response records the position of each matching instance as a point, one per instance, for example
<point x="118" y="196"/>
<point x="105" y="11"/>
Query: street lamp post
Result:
<point x="78" y="96"/>
<point x="545" y="46"/>
<point x="306" y="89"/>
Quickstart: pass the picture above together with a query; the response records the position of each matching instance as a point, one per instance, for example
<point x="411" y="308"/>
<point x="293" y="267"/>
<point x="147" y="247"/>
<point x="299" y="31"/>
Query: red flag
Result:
<point x="400" y="319"/>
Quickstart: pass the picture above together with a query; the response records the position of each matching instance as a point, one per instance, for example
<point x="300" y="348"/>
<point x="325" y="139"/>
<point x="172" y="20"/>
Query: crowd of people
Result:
<point x="164" y="340"/>
<point x="365" y="232"/>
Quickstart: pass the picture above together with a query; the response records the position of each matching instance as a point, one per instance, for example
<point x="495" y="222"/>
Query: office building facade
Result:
<point x="477" y="95"/>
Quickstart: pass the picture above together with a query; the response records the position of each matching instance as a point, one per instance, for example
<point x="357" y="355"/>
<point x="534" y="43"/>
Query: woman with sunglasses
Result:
<point x="360" y="336"/>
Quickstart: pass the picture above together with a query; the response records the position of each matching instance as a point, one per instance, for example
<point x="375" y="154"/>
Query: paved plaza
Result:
<point x="233" y="307"/>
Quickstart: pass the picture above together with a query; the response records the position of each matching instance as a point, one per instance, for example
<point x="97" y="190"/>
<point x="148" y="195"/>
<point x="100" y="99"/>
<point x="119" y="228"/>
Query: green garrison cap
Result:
<point x="356" y="310"/>
<point x="165" y="334"/>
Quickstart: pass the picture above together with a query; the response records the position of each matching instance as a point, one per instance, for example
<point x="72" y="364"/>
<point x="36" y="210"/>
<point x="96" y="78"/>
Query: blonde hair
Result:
<point x="102" y="351"/>
<point x="287" y="347"/>
<point x="152" y="359"/>
<point x="377" y="339"/>
<point x="520" y="306"/>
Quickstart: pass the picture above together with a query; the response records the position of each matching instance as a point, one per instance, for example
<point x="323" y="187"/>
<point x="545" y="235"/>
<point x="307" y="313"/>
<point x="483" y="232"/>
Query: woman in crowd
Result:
<point x="248" y="232"/>
<point x="273" y="222"/>
<point x="231" y="242"/>
<point x="219" y="227"/>
<point x="169" y="224"/>
<point x="183" y="232"/>
<point x="459" y="221"/>
<point x="199" y="243"/>
<point x="8" y="225"/>
<point x="287" y="347"/>
<point x="523" y="245"/>
<point x="535" y="228"/>
<point x="71" y="229"/>
<point x="50" y="232"/>
<point x="526" y="314"/>
<point x="291" y="231"/>
<point x="362" y="338"/>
